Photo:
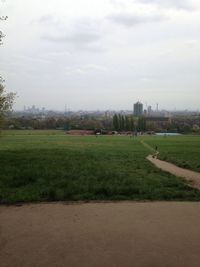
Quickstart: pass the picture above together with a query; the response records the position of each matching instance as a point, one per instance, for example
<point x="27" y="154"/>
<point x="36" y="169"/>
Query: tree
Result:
<point x="6" y="99"/>
<point x="141" y="124"/>
<point x="1" y="37"/>
<point x="132" y="124"/>
<point x="1" y="33"/>
<point x="122" y="123"/>
<point x="127" y="123"/>
<point x="119" y="122"/>
<point x="115" y="122"/>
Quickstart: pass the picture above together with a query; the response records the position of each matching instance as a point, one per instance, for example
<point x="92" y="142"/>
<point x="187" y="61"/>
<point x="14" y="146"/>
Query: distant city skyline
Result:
<point x="100" y="55"/>
<point x="148" y="108"/>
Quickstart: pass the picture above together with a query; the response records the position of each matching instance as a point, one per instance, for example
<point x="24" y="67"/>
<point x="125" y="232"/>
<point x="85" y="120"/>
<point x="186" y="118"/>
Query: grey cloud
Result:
<point x="46" y="18"/>
<point x="82" y="33"/>
<point x="78" y="39"/>
<point x="192" y="44"/>
<point x="180" y="4"/>
<point x="86" y="69"/>
<point x="130" y="20"/>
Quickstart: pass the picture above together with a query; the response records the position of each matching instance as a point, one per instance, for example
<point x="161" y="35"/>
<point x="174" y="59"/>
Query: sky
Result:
<point x="102" y="54"/>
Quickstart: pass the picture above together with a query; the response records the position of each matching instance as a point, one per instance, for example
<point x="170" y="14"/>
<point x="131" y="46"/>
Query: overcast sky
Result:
<point x="102" y="54"/>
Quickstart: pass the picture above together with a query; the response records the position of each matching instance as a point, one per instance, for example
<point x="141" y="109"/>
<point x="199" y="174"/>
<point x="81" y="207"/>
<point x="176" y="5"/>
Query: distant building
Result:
<point x="149" y="110"/>
<point x="138" y="109"/>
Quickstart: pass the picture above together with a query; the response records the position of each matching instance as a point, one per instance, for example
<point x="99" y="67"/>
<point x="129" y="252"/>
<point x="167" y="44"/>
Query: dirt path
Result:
<point x="123" y="234"/>
<point x="191" y="176"/>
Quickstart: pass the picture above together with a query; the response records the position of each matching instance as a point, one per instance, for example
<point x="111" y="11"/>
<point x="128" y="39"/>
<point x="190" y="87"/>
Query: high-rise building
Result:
<point x="149" y="110"/>
<point x="138" y="109"/>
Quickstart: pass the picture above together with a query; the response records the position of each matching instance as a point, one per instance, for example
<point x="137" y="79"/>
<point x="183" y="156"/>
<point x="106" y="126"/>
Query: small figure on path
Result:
<point x="156" y="152"/>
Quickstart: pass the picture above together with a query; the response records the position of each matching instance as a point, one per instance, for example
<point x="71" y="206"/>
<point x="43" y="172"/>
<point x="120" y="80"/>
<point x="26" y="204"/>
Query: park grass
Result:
<point x="46" y="166"/>
<point x="184" y="151"/>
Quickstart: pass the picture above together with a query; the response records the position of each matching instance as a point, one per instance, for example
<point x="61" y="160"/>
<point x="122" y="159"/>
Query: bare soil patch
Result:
<point x="100" y="234"/>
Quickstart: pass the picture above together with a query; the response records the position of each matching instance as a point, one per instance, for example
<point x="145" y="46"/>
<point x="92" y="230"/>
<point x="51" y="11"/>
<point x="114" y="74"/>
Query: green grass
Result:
<point x="184" y="151"/>
<point x="51" y="166"/>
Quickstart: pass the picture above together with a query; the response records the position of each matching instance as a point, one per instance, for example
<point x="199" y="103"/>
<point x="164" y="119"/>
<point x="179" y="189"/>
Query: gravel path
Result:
<point x="191" y="176"/>
<point x="122" y="234"/>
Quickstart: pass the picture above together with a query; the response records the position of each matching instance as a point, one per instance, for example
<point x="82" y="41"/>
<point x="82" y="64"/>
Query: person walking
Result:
<point x="156" y="152"/>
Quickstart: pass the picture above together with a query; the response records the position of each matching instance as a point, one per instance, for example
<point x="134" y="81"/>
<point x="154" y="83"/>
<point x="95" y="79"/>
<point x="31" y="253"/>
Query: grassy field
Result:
<point x="183" y="150"/>
<point x="50" y="166"/>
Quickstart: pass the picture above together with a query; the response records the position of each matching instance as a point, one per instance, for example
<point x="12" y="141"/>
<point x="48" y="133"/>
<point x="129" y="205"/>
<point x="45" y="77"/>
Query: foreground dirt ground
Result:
<point x="131" y="234"/>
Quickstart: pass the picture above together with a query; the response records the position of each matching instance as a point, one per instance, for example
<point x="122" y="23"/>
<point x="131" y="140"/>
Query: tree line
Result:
<point x="118" y="123"/>
<point x="129" y="123"/>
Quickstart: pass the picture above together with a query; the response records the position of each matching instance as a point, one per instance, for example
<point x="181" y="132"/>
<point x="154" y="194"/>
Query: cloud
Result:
<point x="129" y="20"/>
<point x="46" y="18"/>
<point x="77" y="39"/>
<point x="79" y="34"/>
<point x="178" y="4"/>
<point x="192" y="43"/>
<point x="86" y="69"/>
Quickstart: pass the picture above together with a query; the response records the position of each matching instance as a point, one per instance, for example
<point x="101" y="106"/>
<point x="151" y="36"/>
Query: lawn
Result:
<point x="51" y="166"/>
<point x="183" y="151"/>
